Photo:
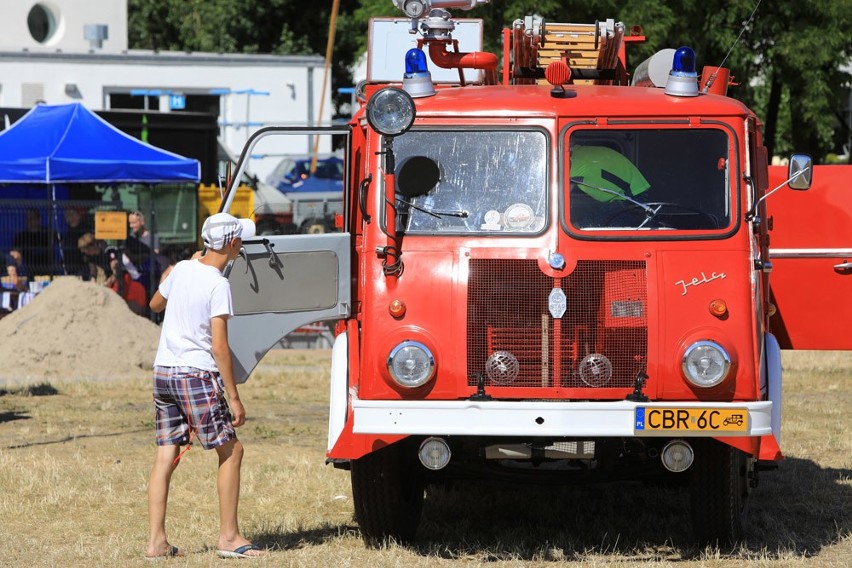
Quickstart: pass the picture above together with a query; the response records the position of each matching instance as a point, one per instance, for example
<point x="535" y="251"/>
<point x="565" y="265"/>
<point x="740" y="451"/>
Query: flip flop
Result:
<point x="173" y="552"/>
<point x="240" y="552"/>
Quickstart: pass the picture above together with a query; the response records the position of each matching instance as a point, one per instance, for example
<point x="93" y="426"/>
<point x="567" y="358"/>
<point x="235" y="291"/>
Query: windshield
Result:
<point x="653" y="179"/>
<point x="485" y="181"/>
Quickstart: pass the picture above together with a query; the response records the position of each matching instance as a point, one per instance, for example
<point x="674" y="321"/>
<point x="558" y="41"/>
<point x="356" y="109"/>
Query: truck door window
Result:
<point x="649" y="180"/>
<point x="489" y="181"/>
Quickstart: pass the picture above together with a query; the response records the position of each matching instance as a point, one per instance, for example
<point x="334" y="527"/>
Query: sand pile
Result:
<point x="76" y="330"/>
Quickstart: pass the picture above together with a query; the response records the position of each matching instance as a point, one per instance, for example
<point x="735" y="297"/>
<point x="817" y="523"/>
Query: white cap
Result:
<point x="222" y="228"/>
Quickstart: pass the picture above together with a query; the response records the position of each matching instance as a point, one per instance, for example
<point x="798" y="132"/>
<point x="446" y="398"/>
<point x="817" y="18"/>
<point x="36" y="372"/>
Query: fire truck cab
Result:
<point x="550" y="275"/>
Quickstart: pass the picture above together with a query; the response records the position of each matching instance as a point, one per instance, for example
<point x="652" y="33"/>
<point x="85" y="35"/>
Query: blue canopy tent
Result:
<point x="59" y="145"/>
<point x="71" y="144"/>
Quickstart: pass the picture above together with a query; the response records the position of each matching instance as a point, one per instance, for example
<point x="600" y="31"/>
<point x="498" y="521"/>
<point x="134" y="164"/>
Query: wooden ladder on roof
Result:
<point x="590" y="50"/>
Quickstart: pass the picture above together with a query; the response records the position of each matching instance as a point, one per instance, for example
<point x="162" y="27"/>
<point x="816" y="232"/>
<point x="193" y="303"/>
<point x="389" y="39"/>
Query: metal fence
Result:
<point x="41" y="239"/>
<point x="46" y="234"/>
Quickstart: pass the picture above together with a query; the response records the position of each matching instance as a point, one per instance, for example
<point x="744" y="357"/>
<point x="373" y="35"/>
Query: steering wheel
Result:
<point x="652" y="209"/>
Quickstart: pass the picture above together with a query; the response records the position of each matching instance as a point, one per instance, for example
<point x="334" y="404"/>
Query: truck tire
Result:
<point x="387" y="491"/>
<point x="719" y="488"/>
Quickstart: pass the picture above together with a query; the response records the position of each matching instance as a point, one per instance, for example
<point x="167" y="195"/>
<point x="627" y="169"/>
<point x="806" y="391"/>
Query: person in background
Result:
<point x="193" y="373"/>
<point x="94" y="259"/>
<point x="139" y="231"/>
<point x="34" y="244"/>
<point x="103" y="267"/>
<point x="78" y="225"/>
<point x="15" y="270"/>
<point x="129" y="289"/>
<point x="140" y="246"/>
<point x="97" y="259"/>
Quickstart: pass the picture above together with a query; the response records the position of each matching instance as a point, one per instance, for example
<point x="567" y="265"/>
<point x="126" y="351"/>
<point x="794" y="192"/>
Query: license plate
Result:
<point x="691" y="420"/>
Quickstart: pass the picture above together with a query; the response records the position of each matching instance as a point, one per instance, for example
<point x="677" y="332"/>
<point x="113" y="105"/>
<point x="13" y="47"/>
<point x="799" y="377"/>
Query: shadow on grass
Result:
<point x="795" y="511"/>
<point x="13" y="415"/>
<point x="499" y="522"/>
<point x="75" y="437"/>
<point x="41" y="389"/>
<point x="276" y="540"/>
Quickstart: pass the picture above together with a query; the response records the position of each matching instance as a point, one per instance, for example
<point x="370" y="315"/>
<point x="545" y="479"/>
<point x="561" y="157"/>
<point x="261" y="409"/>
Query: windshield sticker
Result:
<point x="684" y="284"/>
<point x="492" y="221"/>
<point x="518" y="216"/>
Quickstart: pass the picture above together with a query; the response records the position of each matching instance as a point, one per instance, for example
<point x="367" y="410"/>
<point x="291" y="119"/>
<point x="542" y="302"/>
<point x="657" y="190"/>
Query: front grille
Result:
<point x="514" y="341"/>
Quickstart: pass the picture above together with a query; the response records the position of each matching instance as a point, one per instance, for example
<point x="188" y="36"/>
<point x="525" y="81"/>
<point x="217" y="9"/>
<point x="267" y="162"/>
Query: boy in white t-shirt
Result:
<point x="193" y="372"/>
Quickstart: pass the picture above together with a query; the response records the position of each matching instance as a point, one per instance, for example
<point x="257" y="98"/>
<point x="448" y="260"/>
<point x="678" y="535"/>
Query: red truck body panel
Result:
<point x="811" y="235"/>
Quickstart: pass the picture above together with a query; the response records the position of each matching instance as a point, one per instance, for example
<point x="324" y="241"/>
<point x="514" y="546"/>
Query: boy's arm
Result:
<point x="158" y="303"/>
<point x="222" y="356"/>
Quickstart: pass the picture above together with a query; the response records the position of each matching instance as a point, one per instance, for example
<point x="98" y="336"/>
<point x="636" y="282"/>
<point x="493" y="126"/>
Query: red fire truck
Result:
<point x="551" y="271"/>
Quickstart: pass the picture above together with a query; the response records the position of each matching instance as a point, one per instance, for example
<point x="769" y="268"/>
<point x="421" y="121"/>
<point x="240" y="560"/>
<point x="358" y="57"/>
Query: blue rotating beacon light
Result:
<point x="417" y="80"/>
<point x="683" y="80"/>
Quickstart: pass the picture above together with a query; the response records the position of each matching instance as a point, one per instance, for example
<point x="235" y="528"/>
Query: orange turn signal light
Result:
<point x="397" y="308"/>
<point x="718" y="308"/>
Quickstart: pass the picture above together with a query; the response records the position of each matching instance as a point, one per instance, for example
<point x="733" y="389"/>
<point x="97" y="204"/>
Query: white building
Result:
<point x="76" y="50"/>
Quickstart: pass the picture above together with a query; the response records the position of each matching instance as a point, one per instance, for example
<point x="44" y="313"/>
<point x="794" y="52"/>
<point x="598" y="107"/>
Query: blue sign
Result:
<point x="640" y="418"/>
<point x="177" y="102"/>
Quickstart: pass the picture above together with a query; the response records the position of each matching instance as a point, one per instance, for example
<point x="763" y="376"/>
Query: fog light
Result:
<point x="677" y="456"/>
<point x="434" y="453"/>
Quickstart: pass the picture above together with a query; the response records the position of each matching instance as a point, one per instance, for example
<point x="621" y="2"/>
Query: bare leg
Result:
<point x="228" y="484"/>
<point x="158" y="495"/>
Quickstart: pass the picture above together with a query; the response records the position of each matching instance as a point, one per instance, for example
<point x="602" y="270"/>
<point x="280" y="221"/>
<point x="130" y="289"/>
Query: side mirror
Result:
<point x="801" y="172"/>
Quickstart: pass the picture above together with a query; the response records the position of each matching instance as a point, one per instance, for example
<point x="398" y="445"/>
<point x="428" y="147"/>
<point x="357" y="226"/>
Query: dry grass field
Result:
<point x="74" y="461"/>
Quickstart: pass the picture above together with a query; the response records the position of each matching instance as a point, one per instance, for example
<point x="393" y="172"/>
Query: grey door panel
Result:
<point x="281" y="283"/>
<point x="291" y="281"/>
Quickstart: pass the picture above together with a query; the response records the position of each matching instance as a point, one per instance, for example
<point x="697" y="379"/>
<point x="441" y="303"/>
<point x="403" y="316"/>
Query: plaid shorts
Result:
<point x="188" y="399"/>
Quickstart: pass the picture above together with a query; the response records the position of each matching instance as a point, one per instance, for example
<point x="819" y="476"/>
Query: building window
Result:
<point x="42" y="23"/>
<point x="133" y="101"/>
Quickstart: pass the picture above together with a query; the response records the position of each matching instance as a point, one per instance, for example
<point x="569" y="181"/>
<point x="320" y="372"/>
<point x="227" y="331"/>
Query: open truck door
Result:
<point x="280" y="283"/>
<point x="811" y="253"/>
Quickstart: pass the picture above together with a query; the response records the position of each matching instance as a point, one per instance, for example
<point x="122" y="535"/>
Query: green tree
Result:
<point x="280" y="27"/>
<point x="227" y="26"/>
<point x="789" y="62"/>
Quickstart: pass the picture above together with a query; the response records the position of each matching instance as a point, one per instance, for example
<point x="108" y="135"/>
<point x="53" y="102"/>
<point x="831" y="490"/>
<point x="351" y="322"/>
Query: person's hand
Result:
<point x="238" y="413"/>
<point x="198" y="254"/>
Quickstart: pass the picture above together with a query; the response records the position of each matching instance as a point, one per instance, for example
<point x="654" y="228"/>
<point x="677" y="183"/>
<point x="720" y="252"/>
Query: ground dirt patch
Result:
<point x="75" y="330"/>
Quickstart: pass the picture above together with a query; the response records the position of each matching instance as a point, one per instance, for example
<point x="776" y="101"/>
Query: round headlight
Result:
<point x="706" y="364"/>
<point x="390" y="111"/>
<point x="411" y="364"/>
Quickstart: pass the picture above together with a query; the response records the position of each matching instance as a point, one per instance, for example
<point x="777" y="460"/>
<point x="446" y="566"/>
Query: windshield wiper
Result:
<point x="648" y="210"/>
<point x="437" y="214"/>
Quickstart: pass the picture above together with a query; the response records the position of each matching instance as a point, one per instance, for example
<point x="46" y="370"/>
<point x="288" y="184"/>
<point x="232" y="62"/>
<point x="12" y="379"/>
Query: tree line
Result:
<point x="791" y="61"/>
